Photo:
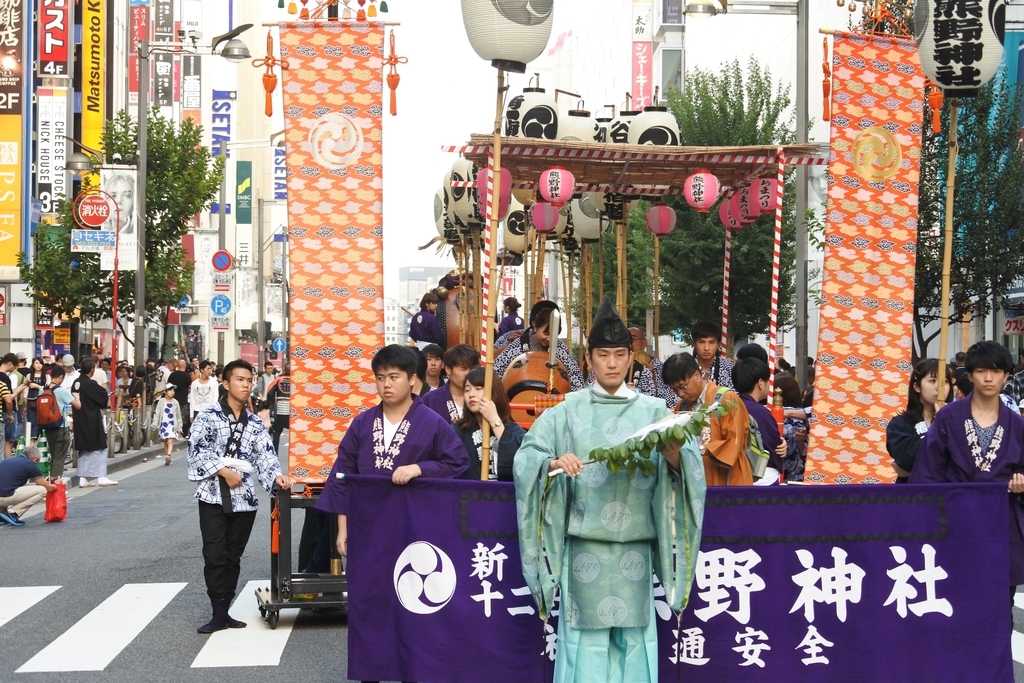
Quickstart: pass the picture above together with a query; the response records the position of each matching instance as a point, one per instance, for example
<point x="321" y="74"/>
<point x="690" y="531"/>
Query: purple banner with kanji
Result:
<point x="837" y="583"/>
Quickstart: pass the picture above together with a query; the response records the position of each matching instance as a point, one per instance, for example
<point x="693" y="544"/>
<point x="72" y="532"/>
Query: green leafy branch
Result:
<point x="635" y="454"/>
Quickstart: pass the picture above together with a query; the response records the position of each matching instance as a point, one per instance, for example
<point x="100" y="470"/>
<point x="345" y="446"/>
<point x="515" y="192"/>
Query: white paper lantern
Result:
<point x="462" y="200"/>
<point x="618" y="131"/>
<point x="516" y="228"/>
<point x="587" y="218"/>
<point x="509" y="33"/>
<point x="445" y="228"/>
<point x="655" y="126"/>
<point x="603" y="123"/>
<point x="580" y="126"/>
<point x="534" y="114"/>
<point x="959" y="43"/>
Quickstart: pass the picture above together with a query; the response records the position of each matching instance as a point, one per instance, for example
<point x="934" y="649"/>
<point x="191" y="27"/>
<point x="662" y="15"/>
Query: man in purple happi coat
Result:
<point x="424" y="328"/>
<point x="978" y="438"/>
<point x="399" y="438"/>
<point x="750" y="379"/>
<point x="448" y="400"/>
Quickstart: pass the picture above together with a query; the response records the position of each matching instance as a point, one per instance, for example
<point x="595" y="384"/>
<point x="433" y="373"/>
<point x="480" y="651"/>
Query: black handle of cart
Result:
<point x="295" y="590"/>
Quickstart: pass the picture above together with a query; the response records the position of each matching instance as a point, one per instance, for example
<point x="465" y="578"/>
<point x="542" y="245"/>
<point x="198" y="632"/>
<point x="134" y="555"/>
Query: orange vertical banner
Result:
<point x="865" y="335"/>
<point x="332" y="110"/>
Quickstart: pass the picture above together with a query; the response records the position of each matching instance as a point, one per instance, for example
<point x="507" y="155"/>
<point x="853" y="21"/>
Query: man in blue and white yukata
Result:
<point x="597" y="536"/>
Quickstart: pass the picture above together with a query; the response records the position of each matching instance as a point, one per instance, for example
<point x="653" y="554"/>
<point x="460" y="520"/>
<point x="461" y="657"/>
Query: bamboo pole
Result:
<point x="622" y="290"/>
<point x="527" y="255"/>
<point x="600" y="266"/>
<point x="568" y="258"/>
<point x="586" y="268"/>
<point x="947" y="249"/>
<point x="493" y="170"/>
<point x="476" y="319"/>
<point x="463" y="291"/>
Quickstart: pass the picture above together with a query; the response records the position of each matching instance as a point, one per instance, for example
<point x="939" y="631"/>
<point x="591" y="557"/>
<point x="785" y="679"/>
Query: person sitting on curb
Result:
<point x="17" y="495"/>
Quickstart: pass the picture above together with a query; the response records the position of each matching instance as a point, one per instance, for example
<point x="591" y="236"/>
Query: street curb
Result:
<point x="123" y="461"/>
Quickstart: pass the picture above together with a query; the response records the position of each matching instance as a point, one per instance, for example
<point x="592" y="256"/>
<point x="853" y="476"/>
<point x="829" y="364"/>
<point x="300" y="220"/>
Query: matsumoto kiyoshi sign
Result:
<point x="836" y="583"/>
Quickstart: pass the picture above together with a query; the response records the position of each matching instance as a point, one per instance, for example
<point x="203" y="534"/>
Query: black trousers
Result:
<point x="279" y="424"/>
<point x="224" y="539"/>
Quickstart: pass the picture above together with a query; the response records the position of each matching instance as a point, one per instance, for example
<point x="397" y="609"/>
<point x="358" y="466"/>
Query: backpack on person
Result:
<point x="48" y="412"/>
<point x="754" y="449"/>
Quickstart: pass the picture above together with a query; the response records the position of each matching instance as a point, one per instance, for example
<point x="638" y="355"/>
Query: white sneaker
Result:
<point x="107" y="482"/>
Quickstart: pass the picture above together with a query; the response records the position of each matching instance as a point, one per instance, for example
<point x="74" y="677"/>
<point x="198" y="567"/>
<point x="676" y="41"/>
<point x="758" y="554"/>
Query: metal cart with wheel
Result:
<point x="290" y="590"/>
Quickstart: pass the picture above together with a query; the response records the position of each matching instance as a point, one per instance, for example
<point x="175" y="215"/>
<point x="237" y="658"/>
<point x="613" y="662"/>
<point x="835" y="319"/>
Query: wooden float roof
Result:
<point x="610" y="167"/>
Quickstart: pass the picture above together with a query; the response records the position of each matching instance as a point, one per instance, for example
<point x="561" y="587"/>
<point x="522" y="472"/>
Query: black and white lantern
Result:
<point x="462" y="200"/>
<point x="618" y="131"/>
<point x="587" y="217"/>
<point x="579" y="126"/>
<point x="534" y="114"/>
<point x="509" y="33"/>
<point x="445" y="228"/>
<point x="604" y="122"/>
<point x="655" y="126"/>
<point x="515" y="229"/>
<point x="959" y="42"/>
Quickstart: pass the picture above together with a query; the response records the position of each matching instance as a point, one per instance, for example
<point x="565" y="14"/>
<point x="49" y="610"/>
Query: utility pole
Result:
<point x="222" y="234"/>
<point x="261" y="311"/>
<point x="141" y="342"/>
<point x="802" y="20"/>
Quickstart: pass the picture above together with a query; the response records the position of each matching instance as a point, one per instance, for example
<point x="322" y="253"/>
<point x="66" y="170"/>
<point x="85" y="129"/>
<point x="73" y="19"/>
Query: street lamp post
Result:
<point x="234" y="50"/>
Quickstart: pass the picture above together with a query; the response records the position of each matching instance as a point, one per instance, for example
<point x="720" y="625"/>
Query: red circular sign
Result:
<point x="93" y="210"/>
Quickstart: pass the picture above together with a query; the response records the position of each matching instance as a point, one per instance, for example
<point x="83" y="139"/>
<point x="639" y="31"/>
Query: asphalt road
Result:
<point x="118" y="588"/>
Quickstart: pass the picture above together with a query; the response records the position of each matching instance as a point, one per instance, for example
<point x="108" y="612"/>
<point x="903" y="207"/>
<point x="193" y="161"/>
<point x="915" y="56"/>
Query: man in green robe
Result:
<point x="598" y="536"/>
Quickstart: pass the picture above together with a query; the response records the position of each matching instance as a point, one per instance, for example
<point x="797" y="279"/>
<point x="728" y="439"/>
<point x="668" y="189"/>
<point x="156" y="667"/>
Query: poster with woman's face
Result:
<point x="120" y="184"/>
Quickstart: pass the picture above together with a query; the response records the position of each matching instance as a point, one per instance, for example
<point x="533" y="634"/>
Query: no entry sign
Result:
<point x="222" y="261"/>
<point x="93" y="210"/>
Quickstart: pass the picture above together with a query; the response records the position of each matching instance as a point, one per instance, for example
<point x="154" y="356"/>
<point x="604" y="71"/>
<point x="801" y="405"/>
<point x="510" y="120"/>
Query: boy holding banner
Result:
<point x="400" y="438"/>
<point x="595" y="534"/>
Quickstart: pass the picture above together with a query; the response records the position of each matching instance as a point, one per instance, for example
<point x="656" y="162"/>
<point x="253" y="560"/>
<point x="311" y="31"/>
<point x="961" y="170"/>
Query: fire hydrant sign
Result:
<point x="93" y="210"/>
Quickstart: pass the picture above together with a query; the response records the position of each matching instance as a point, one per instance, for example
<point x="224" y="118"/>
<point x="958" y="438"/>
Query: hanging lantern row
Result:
<point x="745" y="205"/>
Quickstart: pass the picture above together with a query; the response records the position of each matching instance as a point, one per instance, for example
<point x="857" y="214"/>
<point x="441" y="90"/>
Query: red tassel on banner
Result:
<point x="275" y="530"/>
<point x="269" y="77"/>
<point x="393" y="78"/>
<point x="826" y="83"/>
<point x="935" y="104"/>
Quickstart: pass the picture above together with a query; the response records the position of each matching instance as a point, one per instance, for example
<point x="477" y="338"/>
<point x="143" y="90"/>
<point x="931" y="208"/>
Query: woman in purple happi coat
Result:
<point x="978" y="438"/>
<point x="424" y="328"/>
<point x="512" y="320"/>
<point x="400" y="438"/>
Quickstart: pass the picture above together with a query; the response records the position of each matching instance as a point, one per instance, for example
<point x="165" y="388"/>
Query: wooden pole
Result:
<point x="600" y="266"/>
<point x="947" y="249"/>
<point x="657" y="294"/>
<point x="622" y="288"/>
<point x="493" y="170"/>
<point x="464" y="291"/>
<point x="527" y="255"/>
<point x="476" y="320"/>
<point x="773" y="319"/>
<point x="586" y="268"/>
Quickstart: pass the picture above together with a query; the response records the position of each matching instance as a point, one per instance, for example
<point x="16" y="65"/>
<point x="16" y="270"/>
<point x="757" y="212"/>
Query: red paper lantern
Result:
<point x="661" y="219"/>
<point x="741" y="206"/>
<point x="701" y="190"/>
<point x="544" y="216"/>
<point x="729" y="220"/>
<point x="766" y="192"/>
<point x="504" y="196"/>
<point x="557" y="185"/>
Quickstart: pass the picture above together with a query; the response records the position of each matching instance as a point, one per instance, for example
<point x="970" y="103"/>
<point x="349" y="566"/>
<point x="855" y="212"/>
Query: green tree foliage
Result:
<point x="988" y="246"/>
<point x="728" y="108"/>
<point x="182" y="179"/>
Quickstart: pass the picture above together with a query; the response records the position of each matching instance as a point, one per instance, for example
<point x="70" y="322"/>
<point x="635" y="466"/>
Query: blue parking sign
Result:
<point x="220" y="305"/>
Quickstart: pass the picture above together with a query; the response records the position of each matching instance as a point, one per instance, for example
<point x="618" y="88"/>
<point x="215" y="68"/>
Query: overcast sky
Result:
<point x="446" y="93"/>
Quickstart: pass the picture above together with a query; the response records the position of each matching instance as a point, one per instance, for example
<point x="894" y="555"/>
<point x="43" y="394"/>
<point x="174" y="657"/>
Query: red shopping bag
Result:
<point x="57" y="503"/>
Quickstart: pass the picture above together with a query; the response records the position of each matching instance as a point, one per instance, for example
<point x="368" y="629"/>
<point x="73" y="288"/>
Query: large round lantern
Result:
<point x="618" y="131"/>
<point x="604" y="122"/>
<point x="701" y="190"/>
<point x="504" y="194"/>
<point x="655" y="126"/>
<point x="586" y="218"/>
<point x="557" y="185"/>
<point x="516" y="228"/>
<point x="731" y="221"/>
<point x="509" y="33"/>
<point x="579" y="126"/>
<point x="462" y="205"/>
<point x="661" y="219"/>
<point x="744" y="208"/>
<point x="534" y="114"/>
<point x="765" y="192"/>
<point x="963" y="60"/>
<point x="544" y="216"/>
<point x="445" y="228"/>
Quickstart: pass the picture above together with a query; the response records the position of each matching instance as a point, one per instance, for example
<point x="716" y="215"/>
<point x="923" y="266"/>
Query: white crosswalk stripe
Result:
<point x="15" y="600"/>
<point x="255" y="645"/>
<point x="101" y="635"/>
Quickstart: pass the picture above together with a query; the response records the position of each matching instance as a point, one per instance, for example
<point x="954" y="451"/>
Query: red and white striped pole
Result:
<point x="485" y="320"/>
<point x="773" y="330"/>
<point x="725" y="291"/>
